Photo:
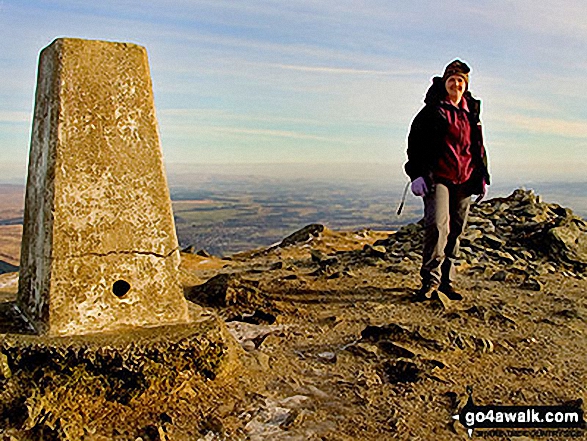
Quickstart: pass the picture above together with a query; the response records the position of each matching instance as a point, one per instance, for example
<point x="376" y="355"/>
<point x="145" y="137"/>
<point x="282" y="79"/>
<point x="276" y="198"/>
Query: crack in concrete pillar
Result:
<point x="96" y="185"/>
<point x="139" y="253"/>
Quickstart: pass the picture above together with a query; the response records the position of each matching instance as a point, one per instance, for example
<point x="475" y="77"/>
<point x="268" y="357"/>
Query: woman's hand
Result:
<point x="419" y="187"/>
<point x="483" y="192"/>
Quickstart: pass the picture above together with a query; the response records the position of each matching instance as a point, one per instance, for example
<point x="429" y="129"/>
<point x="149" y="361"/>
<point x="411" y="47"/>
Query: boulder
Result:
<point x="303" y="235"/>
<point x="226" y="290"/>
<point x="568" y="241"/>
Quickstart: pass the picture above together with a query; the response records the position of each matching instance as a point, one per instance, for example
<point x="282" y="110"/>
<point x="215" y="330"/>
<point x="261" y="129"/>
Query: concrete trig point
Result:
<point x="99" y="250"/>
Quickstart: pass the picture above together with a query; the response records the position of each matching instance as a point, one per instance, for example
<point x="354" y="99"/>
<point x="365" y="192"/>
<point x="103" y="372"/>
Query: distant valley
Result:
<point x="227" y="215"/>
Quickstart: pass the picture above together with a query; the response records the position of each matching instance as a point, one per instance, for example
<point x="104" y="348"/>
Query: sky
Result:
<point x="322" y="86"/>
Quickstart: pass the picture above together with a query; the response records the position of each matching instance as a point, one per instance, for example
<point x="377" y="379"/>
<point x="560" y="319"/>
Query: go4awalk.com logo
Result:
<point x="520" y="417"/>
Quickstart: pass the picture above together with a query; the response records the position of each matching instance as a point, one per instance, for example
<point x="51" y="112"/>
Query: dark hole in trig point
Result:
<point x="120" y="288"/>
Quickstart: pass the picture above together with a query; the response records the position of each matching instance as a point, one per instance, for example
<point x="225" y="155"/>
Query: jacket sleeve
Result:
<point x="475" y="105"/>
<point x="420" y="143"/>
<point x="483" y="154"/>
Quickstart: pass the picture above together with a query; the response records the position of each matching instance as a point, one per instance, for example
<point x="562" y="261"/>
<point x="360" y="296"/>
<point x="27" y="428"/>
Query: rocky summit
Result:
<point x="332" y="346"/>
<point x="511" y="236"/>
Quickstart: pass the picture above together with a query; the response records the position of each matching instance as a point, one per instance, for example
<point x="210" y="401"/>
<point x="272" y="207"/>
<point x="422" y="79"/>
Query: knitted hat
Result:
<point x="457" y="67"/>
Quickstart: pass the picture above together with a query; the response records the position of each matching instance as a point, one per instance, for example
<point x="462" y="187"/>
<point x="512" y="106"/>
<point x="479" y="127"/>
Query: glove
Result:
<point x="419" y="187"/>
<point x="483" y="192"/>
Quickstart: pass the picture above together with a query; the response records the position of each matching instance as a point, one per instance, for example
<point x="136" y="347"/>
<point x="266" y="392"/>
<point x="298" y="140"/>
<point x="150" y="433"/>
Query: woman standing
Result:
<point x="447" y="164"/>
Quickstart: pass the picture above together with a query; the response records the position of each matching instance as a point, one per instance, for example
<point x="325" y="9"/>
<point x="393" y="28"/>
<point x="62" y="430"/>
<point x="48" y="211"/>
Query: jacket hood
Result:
<point x="436" y="92"/>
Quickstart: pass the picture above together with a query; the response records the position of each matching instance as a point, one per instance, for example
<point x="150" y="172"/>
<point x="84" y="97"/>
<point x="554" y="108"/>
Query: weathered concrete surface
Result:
<point x="114" y="385"/>
<point x="99" y="249"/>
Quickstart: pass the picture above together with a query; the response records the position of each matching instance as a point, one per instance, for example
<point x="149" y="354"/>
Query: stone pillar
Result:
<point x="99" y="249"/>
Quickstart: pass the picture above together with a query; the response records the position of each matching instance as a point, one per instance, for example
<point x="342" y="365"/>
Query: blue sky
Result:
<point x="329" y="84"/>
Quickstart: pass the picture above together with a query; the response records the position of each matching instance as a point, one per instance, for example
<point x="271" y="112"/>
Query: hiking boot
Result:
<point x="448" y="290"/>
<point x="426" y="292"/>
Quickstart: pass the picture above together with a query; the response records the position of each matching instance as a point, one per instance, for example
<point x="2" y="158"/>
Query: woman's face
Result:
<point x="455" y="86"/>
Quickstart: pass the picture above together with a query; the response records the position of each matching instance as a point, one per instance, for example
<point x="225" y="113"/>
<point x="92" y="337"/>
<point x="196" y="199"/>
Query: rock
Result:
<point x="276" y="265"/>
<point x="505" y="257"/>
<point x="398" y="334"/>
<point x="532" y="284"/>
<point x="414" y="256"/>
<point x="493" y="241"/>
<point x="271" y="422"/>
<point x="393" y="349"/>
<point x="408" y="230"/>
<point x="478" y="311"/>
<point x="364" y="349"/>
<point x="391" y="331"/>
<point x="499" y="276"/>
<point x="486" y="226"/>
<point x="375" y="251"/>
<point x="569" y="313"/>
<point x="465" y="341"/>
<point x="478" y="269"/>
<point x="389" y="241"/>
<point x="252" y="336"/>
<point x="549" y="268"/>
<point x="203" y="253"/>
<point x="329" y="261"/>
<point x="501" y="318"/>
<point x="322" y="259"/>
<point x="471" y="235"/>
<point x="466" y="250"/>
<point x="542" y="269"/>
<point x="569" y="241"/>
<point x="257" y="318"/>
<point x="225" y="290"/>
<point x="5" y="371"/>
<point x="349" y="273"/>
<point x="401" y="371"/>
<point x="303" y="235"/>
<point x="373" y="261"/>
<point x="379" y="249"/>
<point x="295" y="402"/>
<point x="501" y="207"/>
<point x="397" y="269"/>
<point x="263" y="359"/>
<point x="317" y="255"/>
<point x="328" y="357"/>
<point x="484" y="344"/>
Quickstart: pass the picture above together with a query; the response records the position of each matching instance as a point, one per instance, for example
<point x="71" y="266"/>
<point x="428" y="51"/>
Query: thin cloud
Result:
<point x="271" y="133"/>
<point x="215" y="114"/>
<point x="561" y="18"/>
<point x="15" y="117"/>
<point x="344" y="71"/>
<point x="545" y="126"/>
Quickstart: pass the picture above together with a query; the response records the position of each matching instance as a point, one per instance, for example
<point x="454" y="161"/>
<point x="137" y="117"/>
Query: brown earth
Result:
<point x="335" y="348"/>
<point x="512" y="345"/>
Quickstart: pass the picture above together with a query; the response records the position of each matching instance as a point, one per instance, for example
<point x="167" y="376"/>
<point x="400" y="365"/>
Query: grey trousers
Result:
<point x="445" y="218"/>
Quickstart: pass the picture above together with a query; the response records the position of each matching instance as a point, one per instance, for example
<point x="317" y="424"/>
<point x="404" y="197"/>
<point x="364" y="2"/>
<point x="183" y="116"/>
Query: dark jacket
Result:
<point x="426" y="140"/>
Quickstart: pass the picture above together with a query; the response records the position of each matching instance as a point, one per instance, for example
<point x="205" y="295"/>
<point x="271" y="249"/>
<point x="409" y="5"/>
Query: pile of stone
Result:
<point x="517" y="234"/>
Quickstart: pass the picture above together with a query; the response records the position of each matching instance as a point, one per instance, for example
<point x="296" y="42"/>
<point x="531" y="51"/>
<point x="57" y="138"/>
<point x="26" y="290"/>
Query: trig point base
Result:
<point x="99" y="250"/>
